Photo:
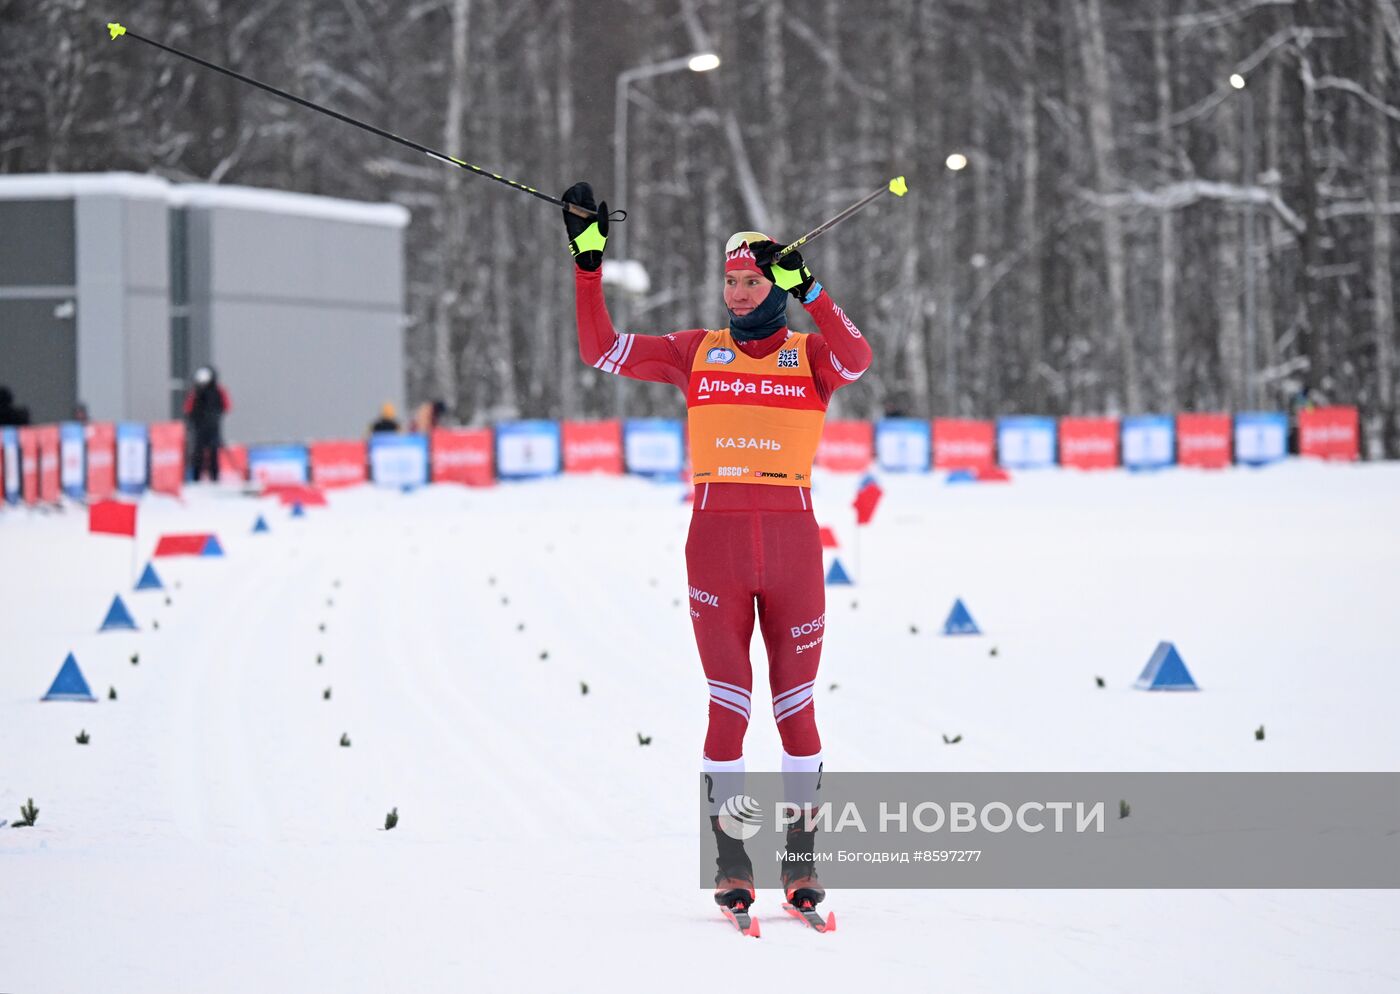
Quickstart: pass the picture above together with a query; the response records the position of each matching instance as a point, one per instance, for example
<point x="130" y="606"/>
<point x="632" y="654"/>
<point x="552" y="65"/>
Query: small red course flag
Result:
<point x="112" y="517"/>
<point x="867" y="499"/>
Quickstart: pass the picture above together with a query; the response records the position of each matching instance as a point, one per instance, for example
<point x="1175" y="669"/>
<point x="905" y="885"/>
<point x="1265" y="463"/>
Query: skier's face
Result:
<point x="745" y="289"/>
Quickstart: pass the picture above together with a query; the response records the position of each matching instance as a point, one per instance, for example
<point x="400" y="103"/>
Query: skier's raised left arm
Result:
<point x="840" y="354"/>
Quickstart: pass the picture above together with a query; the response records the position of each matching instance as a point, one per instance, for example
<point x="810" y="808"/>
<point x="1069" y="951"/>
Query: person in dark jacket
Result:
<point x="388" y="420"/>
<point x="10" y="414"/>
<point x="205" y="407"/>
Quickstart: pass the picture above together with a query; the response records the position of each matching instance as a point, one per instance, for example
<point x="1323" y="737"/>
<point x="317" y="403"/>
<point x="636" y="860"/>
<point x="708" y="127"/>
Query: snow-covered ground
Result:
<point x="214" y="836"/>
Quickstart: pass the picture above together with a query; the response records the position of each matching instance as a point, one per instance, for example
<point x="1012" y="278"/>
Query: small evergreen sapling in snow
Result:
<point x="583" y="688"/>
<point x="953" y="741"/>
<point x="111" y="693"/>
<point x="643" y="739"/>
<point x="1098" y="681"/>
<point x="391" y="819"/>
<point x="326" y="694"/>
<point x="345" y="739"/>
<point x="1259" y="734"/>
<point x="28" y="815"/>
<point x="136" y="659"/>
<point x="83" y="738"/>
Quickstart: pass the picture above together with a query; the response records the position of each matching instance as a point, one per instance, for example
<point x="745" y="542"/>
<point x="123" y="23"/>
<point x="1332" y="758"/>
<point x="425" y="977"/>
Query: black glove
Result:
<point x="587" y="236"/>
<point x="790" y="274"/>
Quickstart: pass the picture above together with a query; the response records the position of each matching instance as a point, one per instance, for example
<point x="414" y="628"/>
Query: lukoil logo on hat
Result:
<point x="737" y="254"/>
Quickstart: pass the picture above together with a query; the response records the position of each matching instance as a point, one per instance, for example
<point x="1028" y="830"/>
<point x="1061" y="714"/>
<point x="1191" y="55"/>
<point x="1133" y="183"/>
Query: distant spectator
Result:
<point x="80" y="413"/>
<point x="1301" y="401"/>
<point x="205" y="407"/>
<point x="10" y="414"/>
<point x="428" y="416"/>
<point x="388" y="419"/>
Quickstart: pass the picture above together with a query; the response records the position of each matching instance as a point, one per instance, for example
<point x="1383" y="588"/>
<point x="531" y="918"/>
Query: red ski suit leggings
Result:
<point x="742" y="562"/>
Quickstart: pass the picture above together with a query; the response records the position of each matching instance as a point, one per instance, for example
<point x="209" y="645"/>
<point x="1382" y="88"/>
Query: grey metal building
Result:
<point x="115" y="287"/>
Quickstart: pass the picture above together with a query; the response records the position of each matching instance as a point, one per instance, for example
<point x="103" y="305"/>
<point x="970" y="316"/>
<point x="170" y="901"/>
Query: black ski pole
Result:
<point x="118" y="31"/>
<point x="897" y="186"/>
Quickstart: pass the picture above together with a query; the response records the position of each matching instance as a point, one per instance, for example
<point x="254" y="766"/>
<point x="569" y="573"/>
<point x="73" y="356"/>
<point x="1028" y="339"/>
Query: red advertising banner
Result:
<point x="1089" y="443"/>
<point x="1203" y="440"/>
<point x="962" y="444"/>
<point x="233" y="463"/>
<point x="462" y="455"/>
<point x="50" y="463"/>
<point x="338" y="464"/>
<point x="167" y="440"/>
<point x="846" y="446"/>
<point x="29" y="464"/>
<point x="592" y="446"/>
<point x="1329" y="433"/>
<point x="101" y="460"/>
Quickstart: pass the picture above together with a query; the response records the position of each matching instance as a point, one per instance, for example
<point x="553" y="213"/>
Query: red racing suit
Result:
<point x="753" y="548"/>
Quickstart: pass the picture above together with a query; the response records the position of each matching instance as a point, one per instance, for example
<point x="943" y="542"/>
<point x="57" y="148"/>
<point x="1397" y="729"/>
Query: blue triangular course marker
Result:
<point x="260" y="525"/>
<point x="298" y="511"/>
<point x="837" y="575"/>
<point x="69" y="685"/>
<point x="118" y="617"/>
<point x="150" y="579"/>
<point x="1165" y="671"/>
<point x="212" y="547"/>
<point x="959" y="621"/>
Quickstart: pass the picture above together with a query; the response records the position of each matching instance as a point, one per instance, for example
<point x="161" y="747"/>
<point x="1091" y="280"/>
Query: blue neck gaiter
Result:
<point x="763" y="320"/>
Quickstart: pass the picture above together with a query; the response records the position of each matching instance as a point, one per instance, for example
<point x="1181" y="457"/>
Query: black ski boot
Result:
<point x="734" y="877"/>
<point x="799" y="871"/>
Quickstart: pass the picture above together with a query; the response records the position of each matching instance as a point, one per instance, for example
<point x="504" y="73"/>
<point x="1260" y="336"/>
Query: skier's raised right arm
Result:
<point x="659" y="359"/>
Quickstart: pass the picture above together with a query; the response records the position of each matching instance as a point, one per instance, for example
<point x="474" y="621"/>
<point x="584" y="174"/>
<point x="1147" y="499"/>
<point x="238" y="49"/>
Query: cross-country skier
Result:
<point x="756" y="395"/>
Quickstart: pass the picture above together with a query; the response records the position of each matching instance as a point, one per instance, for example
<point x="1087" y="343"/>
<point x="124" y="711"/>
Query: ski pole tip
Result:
<point x="898" y="187"/>
<point x="116" y="30"/>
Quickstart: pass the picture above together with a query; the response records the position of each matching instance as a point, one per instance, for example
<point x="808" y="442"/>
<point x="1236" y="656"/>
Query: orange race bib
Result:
<point x="753" y="420"/>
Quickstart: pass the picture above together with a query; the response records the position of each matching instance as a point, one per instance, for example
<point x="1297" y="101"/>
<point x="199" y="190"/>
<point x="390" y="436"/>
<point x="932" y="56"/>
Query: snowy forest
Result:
<point x="1166" y="204"/>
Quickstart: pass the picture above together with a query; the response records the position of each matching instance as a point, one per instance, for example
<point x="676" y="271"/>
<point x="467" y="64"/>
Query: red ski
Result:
<point x="743" y="921"/>
<point x="808" y="914"/>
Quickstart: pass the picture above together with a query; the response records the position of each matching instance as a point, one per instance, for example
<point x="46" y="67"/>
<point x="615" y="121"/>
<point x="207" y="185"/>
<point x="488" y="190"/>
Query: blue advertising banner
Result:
<point x="278" y="464"/>
<point x="526" y="449"/>
<point x="399" y="461"/>
<point x="9" y="444"/>
<point x="1261" y="437"/>
<point x="1149" y="441"/>
<point x="904" y="445"/>
<point x="653" y="446"/>
<point x="1026" y="442"/>
<point x="72" y="459"/>
<point x="133" y="445"/>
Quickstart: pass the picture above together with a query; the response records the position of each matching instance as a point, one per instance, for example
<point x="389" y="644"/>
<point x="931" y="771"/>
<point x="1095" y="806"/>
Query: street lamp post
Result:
<point x="699" y="62"/>
<point x="1250" y="347"/>
<point x="956" y="163"/>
